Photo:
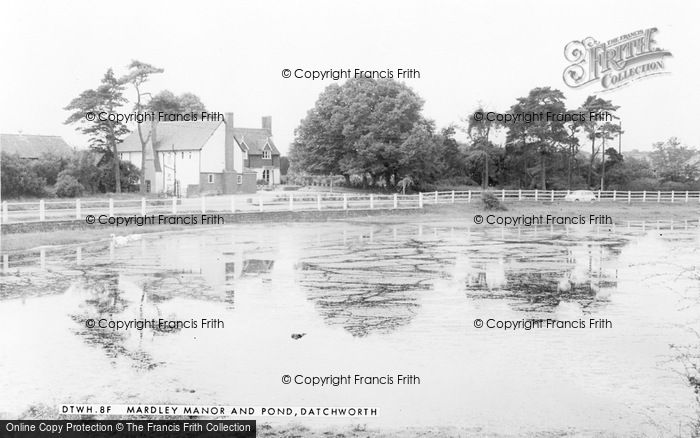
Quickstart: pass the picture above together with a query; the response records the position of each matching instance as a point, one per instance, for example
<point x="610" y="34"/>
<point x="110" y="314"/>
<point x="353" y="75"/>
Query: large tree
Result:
<point x="363" y="127"/>
<point x="169" y="103"/>
<point x="139" y="73"/>
<point x="595" y="129"/>
<point x="544" y="136"/>
<point x="91" y="110"/>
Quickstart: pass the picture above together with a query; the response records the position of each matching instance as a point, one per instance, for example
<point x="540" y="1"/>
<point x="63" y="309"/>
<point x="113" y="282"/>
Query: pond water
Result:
<point x="374" y="299"/>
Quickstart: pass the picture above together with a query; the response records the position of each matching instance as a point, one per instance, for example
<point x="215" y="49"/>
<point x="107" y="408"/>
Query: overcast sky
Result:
<point x="231" y="54"/>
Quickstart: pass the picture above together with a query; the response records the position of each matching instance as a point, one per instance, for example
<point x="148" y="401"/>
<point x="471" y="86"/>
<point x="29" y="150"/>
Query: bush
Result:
<point x="491" y="202"/>
<point x="19" y="178"/>
<point x="67" y="186"/>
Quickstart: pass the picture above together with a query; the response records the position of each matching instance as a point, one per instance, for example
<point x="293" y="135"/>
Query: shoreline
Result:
<point x="19" y="237"/>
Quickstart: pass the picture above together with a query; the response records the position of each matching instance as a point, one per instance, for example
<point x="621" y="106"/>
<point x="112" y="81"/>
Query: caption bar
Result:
<point x="126" y="428"/>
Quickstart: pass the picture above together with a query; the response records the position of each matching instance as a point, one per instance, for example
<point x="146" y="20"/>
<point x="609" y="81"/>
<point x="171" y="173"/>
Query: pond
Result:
<point x="373" y="299"/>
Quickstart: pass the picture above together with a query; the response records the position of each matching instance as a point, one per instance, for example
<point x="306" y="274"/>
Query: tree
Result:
<point x="479" y="132"/>
<point x="543" y="135"/>
<point x="104" y="132"/>
<point x="168" y="103"/>
<point x="672" y="161"/>
<point x="139" y="73"/>
<point x="592" y="127"/>
<point x="361" y="128"/>
<point x="607" y="131"/>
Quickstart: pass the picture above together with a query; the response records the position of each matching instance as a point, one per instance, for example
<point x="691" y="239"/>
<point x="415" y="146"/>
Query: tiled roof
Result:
<point x="33" y="146"/>
<point x="172" y="135"/>
<point x="255" y="139"/>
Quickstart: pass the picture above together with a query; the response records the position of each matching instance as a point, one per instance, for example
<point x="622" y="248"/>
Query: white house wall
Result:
<point x="213" y="153"/>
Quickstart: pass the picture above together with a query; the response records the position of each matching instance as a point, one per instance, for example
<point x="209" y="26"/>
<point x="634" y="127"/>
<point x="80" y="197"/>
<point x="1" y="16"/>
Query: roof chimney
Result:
<point x="229" y="142"/>
<point x="267" y="124"/>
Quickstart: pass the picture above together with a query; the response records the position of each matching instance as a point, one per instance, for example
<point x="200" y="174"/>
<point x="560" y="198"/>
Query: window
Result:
<point x="239" y="179"/>
<point x="121" y="156"/>
<point x="266" y="176"/>
<point x="211" y="178"/>
<point x="189" y="155"/>
<point x="267" y="154"/>
<point x="182" y="154"/>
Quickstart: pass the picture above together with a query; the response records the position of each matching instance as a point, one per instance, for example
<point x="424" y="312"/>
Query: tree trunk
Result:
<point x="568" y="169"/>
<point x="485" y="181"/>
<point x="590" y="165"/>
<point x="602" y="171"/>
<point x="117" y="172"/>
<point x="543" y="175"/>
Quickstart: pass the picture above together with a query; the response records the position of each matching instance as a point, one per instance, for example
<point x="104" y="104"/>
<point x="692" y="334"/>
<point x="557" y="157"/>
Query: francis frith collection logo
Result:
<point x="616" y="62"/>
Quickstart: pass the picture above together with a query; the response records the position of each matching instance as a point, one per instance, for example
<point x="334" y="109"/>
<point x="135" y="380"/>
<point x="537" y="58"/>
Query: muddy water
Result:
<point x="375" y="300"/>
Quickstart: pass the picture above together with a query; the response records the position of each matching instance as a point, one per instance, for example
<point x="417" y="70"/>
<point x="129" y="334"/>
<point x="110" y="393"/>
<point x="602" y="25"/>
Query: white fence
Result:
<point x="22" y="212"/>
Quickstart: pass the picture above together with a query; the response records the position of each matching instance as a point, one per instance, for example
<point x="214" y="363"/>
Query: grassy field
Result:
<point x="619" y="212"/>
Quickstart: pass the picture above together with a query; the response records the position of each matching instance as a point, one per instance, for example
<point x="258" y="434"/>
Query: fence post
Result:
<point x="599" y="195"/>
<point x="291" y="201"/>
<point x="42" y="210"/>
<point x="5" y="212"/>
<point x="629" y="197"/>
<point x="318" y="202"/>
<point x="658" y="196"/>
<point x="396" y="200"/>
<point x="520" y="194"/>
<point x="174" y="204"/>
<point x="614" y="195"/>
<point x="420" y="199"/>
<point x="686" y="196"/>
<point x="673" y="196"/>
<point x="260" y="203"/>
<point x="143" y="206"/>
<point x="644" y="196"/>
<point x="371" y="201"/>
<point x="233" y="204"/>
<point x="345" y="201"/>
<point x="535" y="194"/>
<point x="204" y="204"/>
<point x="469" y="197"/>
<point x="453" y="196"/>
<point x="111" y="207"/>
<point x="552" y="198"/>
<point x="77" y="208"/>
<point x="503" y="195"/>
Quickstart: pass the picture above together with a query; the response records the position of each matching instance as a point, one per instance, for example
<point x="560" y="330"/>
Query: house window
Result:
<point x="239" y="179"/>
<point x="189" y="155"/>
<point x="211" y="178"/>
<point x="266" y="176"/>
<point x="121" y="156"/>
<point x="267" y="154"/>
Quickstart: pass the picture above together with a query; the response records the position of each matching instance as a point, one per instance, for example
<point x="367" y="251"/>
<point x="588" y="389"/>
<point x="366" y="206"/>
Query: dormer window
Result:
<point x="267" y="154"/>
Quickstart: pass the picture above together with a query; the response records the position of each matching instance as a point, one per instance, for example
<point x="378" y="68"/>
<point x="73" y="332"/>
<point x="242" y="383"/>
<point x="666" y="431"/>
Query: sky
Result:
<point x="232" y="53"/>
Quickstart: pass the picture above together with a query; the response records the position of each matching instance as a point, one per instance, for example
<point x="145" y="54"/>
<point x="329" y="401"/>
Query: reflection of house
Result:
<point x="204" y="157"/>
<point x="33" y="146"/>
<point x="255" y="266"/>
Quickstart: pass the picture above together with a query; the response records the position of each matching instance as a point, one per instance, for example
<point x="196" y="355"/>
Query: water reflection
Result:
<point x="373" y="298"/>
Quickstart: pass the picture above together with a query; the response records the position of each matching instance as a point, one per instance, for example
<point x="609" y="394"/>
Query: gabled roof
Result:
<point x="33" y="146"/>
<point x="181" y="136"/>
<point x="255" y="140"/>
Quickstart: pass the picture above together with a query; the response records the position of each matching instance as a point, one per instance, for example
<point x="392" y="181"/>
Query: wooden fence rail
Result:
<point x="49" y="210"/>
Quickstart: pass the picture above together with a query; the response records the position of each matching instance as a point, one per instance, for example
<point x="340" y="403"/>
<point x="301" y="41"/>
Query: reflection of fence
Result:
<point x="78" y="209"/>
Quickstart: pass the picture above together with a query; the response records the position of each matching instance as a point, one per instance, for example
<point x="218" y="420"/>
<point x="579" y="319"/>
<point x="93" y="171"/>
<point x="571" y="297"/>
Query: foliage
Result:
<point x="491" y="202"/>
<point x="67" y="186"/>
<point x="672" y="161"/>
<point x="169" y="103"/>
<point x="284" y="165"/>
<point x="103" y="132"/>
<point x="19" y="178"/>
